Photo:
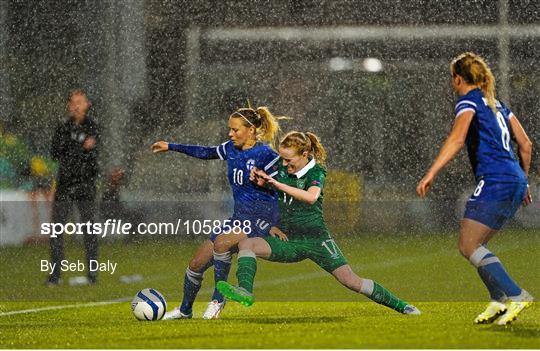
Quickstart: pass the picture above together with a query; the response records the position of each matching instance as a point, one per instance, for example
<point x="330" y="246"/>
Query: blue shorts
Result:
<point x="493" y="203"/>
<point x="253" y="227"/>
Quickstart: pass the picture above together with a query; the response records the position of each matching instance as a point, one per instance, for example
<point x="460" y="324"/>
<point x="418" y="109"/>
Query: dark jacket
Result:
<point x="77" y="166"/>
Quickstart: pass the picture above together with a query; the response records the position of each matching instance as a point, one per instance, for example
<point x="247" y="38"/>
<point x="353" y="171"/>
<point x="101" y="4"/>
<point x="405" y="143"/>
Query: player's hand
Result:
<point x="528" y="197"/>
<point x="262" y="175"/>
<point x="160" y="146"/>
<point x="255" y="178"/>
<point x="89" y="143"/>
<point x="253" y="174"/>
<point x="277" y="233"/>
<point x="423" y="186"/>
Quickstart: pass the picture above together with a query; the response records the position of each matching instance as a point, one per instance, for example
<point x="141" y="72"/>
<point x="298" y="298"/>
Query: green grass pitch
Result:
<point x="298" y="306"/>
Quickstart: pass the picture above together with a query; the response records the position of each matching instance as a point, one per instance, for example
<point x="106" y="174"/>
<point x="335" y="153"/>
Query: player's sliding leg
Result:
<point x="243" y="293"/>
<point x="473" y="235"/>
<point x="249" y="249"/>
<point x="372" y="290"/>
<point x="192" y="281"/>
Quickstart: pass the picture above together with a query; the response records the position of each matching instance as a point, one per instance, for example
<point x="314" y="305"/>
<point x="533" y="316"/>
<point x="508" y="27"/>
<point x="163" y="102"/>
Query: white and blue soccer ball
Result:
<point x="149" y="305"/>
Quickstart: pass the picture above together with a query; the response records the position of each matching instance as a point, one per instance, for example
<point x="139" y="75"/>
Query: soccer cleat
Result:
<point x="513" y="309"/>
<point x="493" y="310"/>
<point x="235" y="293"/>
<point x="176" y="314"/>
<point x="411" y="310"/>
<point x="213" y="310"/>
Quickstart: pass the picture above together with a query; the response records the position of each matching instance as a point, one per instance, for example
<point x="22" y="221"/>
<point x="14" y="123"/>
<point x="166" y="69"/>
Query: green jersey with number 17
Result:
<point x="299" y="218"/>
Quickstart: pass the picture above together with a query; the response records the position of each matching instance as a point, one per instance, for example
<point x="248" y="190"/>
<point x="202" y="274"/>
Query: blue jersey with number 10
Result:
<point x="250" y="199"/>
<point x="488" y="140"/>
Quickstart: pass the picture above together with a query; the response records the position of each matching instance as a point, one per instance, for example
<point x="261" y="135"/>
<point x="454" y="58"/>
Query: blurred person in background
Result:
<point x="22" y="169"/>
<point x="15" y="160"/>
<point x="75" y="146"/>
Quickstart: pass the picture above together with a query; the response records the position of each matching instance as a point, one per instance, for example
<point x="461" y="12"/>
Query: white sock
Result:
<point x="246" y="253"/>
<point x="367" y="287"/>
<point x="225" y="256"/>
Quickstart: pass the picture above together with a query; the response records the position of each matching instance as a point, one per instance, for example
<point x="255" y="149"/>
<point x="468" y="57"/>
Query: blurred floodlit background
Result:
<point x="370" y="77"/>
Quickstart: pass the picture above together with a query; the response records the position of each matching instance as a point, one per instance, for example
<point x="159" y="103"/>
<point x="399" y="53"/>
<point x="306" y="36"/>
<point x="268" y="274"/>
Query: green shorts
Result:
<point x="322" y="250"/>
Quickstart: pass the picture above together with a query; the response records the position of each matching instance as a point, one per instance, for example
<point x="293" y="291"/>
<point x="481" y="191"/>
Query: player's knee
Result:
<point x="196" y="264"/>
<point x="245" y="245"/>
<point x="221" y="245"/>
<point x="465" y="248"/>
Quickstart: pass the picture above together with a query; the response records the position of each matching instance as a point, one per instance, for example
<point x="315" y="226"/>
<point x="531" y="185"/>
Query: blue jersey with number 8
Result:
<point x="489" y="140"/>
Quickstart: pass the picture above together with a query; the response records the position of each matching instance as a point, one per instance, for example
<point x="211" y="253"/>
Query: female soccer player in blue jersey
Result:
<point x="485" y="125"/>
<point x="249" y="130"/>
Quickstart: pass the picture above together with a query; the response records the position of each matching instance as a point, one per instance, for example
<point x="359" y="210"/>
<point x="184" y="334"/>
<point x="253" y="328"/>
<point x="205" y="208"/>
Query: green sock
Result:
<point x="384" y="297"/>
<point x="247" y="267"/>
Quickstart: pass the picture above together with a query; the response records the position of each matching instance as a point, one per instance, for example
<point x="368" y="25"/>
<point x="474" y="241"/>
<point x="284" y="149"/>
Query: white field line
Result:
<point x="62" y="307"/>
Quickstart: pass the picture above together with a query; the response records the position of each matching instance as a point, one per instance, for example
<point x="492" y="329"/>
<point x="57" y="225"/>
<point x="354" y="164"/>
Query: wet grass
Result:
<point x="298" y="305"/>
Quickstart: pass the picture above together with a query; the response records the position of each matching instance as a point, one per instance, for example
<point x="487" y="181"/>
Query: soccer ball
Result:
<point x="148" y="305"/>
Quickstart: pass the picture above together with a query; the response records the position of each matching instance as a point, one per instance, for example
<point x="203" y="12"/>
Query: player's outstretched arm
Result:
<point x="449" y="150"/>
<point x="524" y="150"/>
<point x="202" y="152"/>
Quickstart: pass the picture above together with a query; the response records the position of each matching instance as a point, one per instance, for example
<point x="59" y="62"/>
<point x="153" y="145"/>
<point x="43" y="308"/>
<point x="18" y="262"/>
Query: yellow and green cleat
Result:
<point x="235" y="293"/>
<point x="513" y="310"/>
<point x="493" y="311"/>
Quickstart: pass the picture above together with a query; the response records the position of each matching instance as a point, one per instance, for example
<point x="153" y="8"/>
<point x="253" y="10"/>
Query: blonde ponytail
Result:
<point x="269" y="128"/>
<point x="488" y="88"/>
<point x="265" y="123"/>
<point x="475" y="71"/>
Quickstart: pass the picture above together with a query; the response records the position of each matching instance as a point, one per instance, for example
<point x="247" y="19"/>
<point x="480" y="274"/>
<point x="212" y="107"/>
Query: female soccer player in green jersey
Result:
<point x="300" y="183"/>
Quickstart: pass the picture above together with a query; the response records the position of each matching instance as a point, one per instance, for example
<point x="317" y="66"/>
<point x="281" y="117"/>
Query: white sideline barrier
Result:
<point x="16" y="217"/>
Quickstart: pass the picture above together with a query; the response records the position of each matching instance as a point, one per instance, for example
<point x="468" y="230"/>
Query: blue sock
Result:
<point x="222" y="266"/>
<point x="493" y="274"/>
<point x="495" y="293"/>
<point x="192" y="285"/>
